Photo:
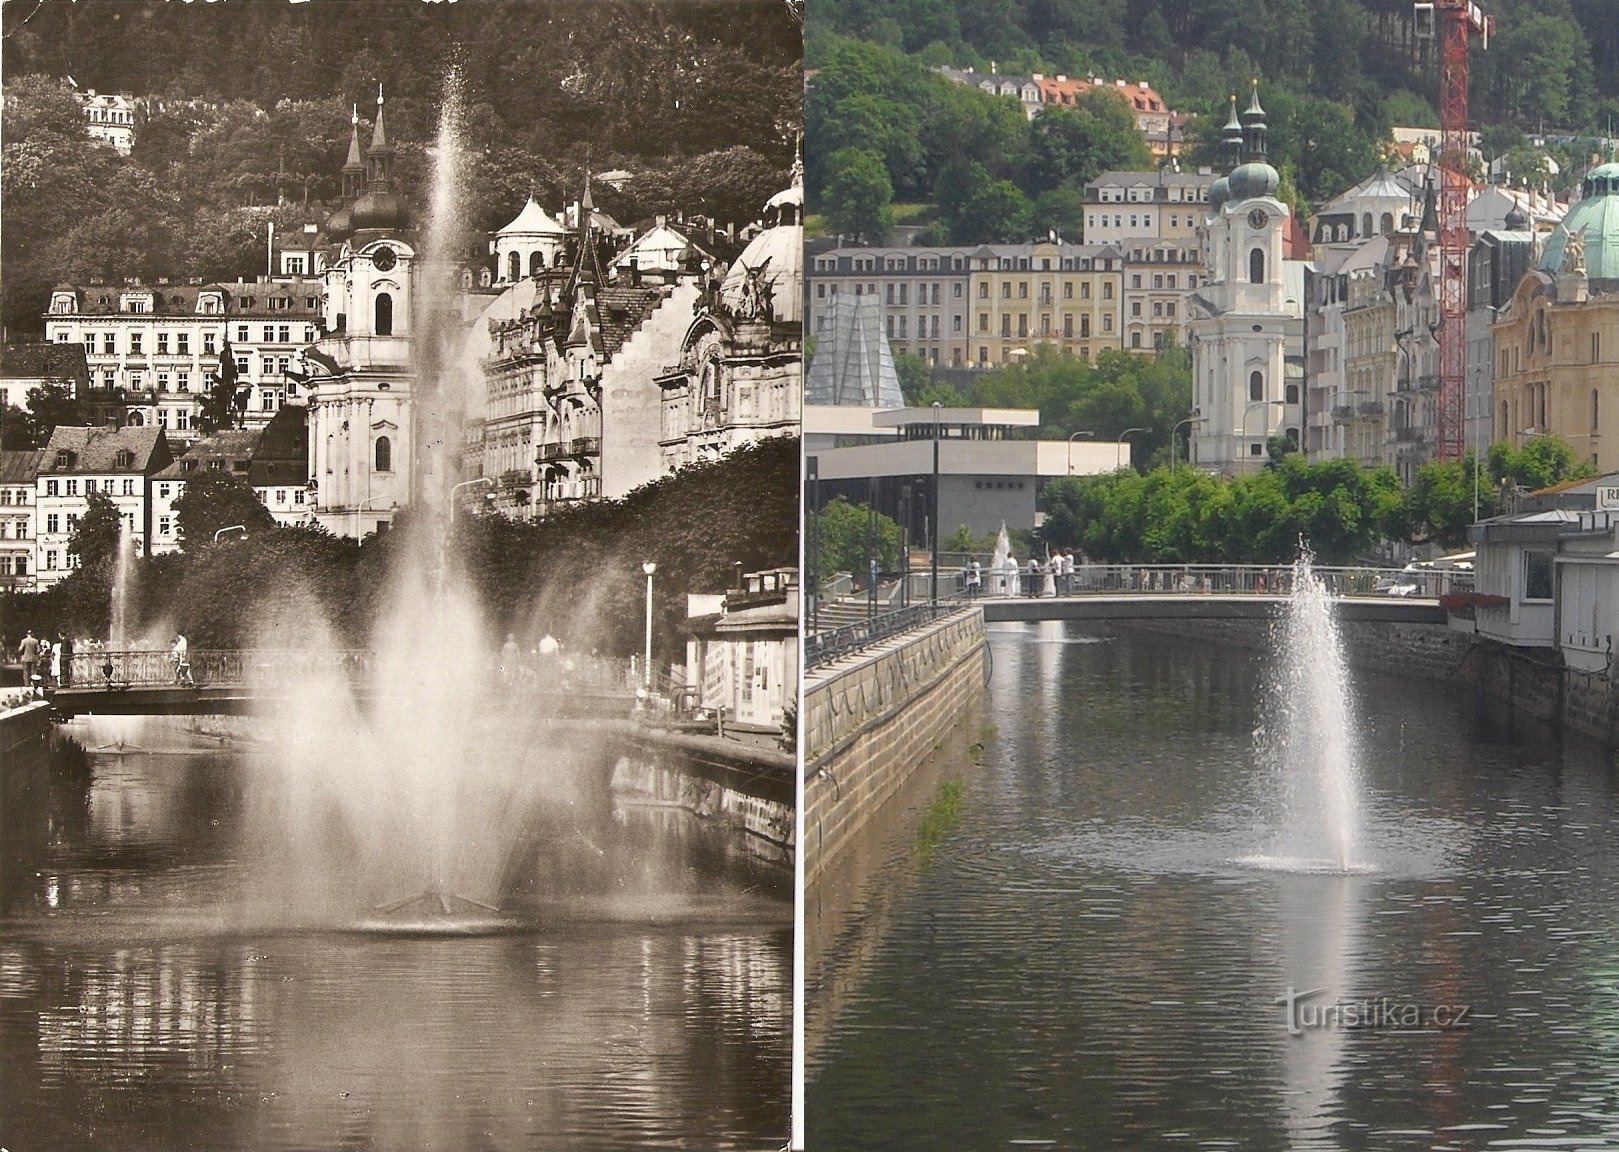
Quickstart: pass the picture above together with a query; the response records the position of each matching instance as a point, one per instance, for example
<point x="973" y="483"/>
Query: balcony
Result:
<point x="1428" y="383"/>
<point x="554" y="450"/>
<point x="515" y="478"/>
<point x="585" y="446"/>
<point x="1410" y="435"/>
<point x="1369" y="408"/>
<point x="1343" y="413"/>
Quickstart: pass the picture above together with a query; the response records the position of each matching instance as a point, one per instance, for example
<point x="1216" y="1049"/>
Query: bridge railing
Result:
<point x="273" y="667"/>
<point x="824" y="647"/>
<point x="1210" y="579"/>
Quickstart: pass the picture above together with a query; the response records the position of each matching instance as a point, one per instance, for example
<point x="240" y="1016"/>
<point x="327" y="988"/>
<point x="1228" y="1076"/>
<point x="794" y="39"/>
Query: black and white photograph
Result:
<point x="399" y="546"/>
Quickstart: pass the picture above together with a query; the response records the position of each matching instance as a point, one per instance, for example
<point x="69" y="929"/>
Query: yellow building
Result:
<point x="1557" y="342"/>
<point x="1065" y="295"/>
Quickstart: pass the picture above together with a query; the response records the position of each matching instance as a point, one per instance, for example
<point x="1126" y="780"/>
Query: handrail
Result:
<point x="824" y="647"/>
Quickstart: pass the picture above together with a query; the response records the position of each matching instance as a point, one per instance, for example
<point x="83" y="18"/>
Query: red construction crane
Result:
<point x="1458" y="21"/>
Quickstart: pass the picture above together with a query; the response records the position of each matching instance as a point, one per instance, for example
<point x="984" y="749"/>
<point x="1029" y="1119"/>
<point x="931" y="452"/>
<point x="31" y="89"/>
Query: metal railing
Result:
<point x="824" y="647"/>
<point x="1210" y="579"/>
<point x="275" y="667"/>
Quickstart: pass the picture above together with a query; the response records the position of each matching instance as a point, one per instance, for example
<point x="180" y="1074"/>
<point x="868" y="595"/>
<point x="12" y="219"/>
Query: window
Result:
<point x="50" y="487"/>
<point x="1255" y="449"/>
<point x="135" y="343"/>
<point x="162" y="381"/>
<point x="1537" y="575"/>
<point x="72" y="487"/>
<point x="1596" y="411"/>
<point x="1256" y="266"/>
<point x="53" y="524"/>
<point x="129" y="487"/>
<point x="182" y="381"/>
<point x="209" y="347"/>
<point x="162" y="343"/>
<point x="182" y="420"/>
<point x="385" y="314"/>
<point x="385" y="455"/>
<point x="1256" y="386"/>
<point x="162" y="491"/>
<point x="162" y="525"/>
<point x="182" y="343"/>
<point x="241" y="333"/>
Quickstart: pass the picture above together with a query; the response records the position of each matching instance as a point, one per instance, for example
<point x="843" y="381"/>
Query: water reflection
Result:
<point x="649" y="1006"/>
<point x="1085" y="963"/>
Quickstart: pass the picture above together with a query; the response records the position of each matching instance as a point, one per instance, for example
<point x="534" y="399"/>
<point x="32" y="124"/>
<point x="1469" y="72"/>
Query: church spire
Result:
<point x="1231" y="135"/>
<point x="1253" y="128"/>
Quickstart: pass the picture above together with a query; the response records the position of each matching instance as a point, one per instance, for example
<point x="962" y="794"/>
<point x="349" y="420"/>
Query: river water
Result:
<point x="644" y="1003"/>
<point x="1077" y="960"/>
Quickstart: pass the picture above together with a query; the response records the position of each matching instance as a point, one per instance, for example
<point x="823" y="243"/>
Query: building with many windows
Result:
<point x="1129" y="207"/>
<point x="109" y="118"/>
<point x="118" y="462"/>
<point x="922" y="292"/>
<point x="25" y="368"/>
<point x="17" y="473"/>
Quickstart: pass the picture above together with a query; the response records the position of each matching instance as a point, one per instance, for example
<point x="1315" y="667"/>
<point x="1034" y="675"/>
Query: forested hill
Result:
<point x="1553" y="63"/>
<point x="243" y="113"/>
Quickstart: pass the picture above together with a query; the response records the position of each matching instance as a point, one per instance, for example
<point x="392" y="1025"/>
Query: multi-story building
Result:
<point x="17" y="473"/>
<point x="1558" y="338"/>
<point x="1125" y="207"/>
<point x="1159" y="279"/>
<point x="1162" y="129"/>
<point x="272" y="461"/>
<point x="923" y="293"/>
<point x="152" y="351"/>
<point x="1066" y="296"/>
<point x="118" y="462"/>
<point x="109" y="118"/>
<point x="1496" y="264"/>
<point x="24" y="368"/>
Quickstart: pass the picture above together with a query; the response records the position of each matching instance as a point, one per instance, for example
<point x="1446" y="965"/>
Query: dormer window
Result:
<point x="62" y="303"/>
<point x="124" y="460"/>
<point x="64" y="459"/>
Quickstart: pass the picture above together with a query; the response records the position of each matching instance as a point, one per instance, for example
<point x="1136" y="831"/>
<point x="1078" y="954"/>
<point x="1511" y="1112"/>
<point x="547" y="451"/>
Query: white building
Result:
<point x="743" y="657"/>
<point x="1242" y="321"/>
<point x="118" y="462"/>
<point x="18" y="471"/>
<point x="109" y="119"/>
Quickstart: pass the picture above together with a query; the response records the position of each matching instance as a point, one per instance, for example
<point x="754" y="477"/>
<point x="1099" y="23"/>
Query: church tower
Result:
<point x="360" y="419"/>
<point x="1240" y="321"/>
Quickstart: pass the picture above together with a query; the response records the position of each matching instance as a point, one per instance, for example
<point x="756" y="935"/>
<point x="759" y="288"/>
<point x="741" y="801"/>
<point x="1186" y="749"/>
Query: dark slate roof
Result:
<point x="20" y="467"/>
<point x="282" y="454"/>
<point x="621" y="311"/>
<point x="235" y="447"/>
<point x="244" y="299"/>
<point x="96" y="449"/>
<point x="45" y="361"/>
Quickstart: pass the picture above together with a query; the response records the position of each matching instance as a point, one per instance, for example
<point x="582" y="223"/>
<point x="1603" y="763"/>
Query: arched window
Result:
<point x="1256" y="266"/>
<point x="1365" y="224"/>
<point x="1256" y="386"/>
<point x="536" y="262"/>
<point x="1386" y="224"/>
<point x="136" y="420"/>
<point x="385" y="314"/>
<point x="385" y="454"/>
<point x="514" y="267"/>
<point x="1292" y="393"/>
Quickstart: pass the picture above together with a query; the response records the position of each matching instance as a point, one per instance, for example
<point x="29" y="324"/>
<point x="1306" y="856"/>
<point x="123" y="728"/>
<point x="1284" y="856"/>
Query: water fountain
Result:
<point x="1307" y="737"/>
<point x="407" y="802"/>
<point x="123" y="589"/>
<point x="1003" y="549"/>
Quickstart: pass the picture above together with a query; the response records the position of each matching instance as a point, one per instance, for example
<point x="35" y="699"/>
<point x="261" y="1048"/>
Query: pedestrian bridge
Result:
<point x="1130" y="592"/>
<point x="213" y="682"/>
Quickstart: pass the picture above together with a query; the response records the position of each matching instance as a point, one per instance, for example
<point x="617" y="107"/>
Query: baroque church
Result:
<point x="361" y="431"/>
<point x="1242" y="325"/>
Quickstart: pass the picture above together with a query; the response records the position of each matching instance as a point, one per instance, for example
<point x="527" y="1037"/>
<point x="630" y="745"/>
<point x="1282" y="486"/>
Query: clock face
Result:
<point x="383" y="258"/>
<point x="1257" y="219"/>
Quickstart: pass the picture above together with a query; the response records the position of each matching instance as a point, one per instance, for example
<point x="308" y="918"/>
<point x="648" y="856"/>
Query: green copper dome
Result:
<point x="1596" y="219"/>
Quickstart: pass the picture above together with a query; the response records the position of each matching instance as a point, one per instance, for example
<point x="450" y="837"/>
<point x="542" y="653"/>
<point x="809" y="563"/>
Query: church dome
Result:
<point x="1254" y="179"/>
<point x="1219" y="193"/>
<point x="779" y="252"/>
<point x="1596" y="219"/>
<point x="378" y="210"/>
<point x="340" y="224"/>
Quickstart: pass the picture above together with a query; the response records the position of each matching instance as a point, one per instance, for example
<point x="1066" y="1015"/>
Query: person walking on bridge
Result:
<point x="181" y="656"/>
<point x="28" y="653"/>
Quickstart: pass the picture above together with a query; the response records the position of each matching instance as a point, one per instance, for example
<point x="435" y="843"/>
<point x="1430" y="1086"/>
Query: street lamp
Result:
<point x="1251" y="406"/>
<point x="646" y="671"/>
<point x="1123" y="449"/>
<point x="1072" y="436"/>
<point x="1194" y="418"/>
<point x="933" y="579"/>
<point x="242" y="528"/>
<point x="465" y="484"/>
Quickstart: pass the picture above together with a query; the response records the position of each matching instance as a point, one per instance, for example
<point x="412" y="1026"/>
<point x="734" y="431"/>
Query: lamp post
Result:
<point x="242" y="528"/>
<point x="933" y="578"/>
<point x="1251" y="406"/>
<point x="1194" y="418"/>
<point x="361" y="511"/>
<point x="465" y="484"/>
<point x="1072" y="436"/>
<point x="1123" y="449"/>
<point x="646" y="671"/>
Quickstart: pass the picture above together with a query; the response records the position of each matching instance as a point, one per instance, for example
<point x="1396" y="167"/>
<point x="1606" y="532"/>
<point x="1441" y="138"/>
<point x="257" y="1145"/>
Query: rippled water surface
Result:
<point x="641" y="998"/>
<point x="1099" y="950"/>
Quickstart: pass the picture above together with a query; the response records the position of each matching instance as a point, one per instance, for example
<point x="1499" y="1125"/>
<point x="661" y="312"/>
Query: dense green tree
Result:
<point x="216" y="500"/>
<point x="859" y="196"/>
<point x="1071" y="147"/>
<point x="1540" y="463"/>
<point x="50" y="404"/>
<point x="914" y="377"/>
<point x="94" y="542"/>
<point x="846" y="531"/>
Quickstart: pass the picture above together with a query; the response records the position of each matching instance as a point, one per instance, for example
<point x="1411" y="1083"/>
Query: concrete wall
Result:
<point x="870" y="722"/>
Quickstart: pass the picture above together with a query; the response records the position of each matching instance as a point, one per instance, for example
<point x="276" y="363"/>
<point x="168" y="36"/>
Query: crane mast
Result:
<point x="1458" y="21"/>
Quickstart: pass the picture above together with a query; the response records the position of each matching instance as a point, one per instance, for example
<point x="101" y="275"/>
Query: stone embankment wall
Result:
<point x="870" y="721"/>
<point x="23" y="730"/>
<point x="1533" y="681"/>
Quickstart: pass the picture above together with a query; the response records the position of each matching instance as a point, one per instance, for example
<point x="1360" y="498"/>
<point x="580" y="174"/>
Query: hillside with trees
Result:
<point x="1336" y="76"/>
<point x="243" y="119"/>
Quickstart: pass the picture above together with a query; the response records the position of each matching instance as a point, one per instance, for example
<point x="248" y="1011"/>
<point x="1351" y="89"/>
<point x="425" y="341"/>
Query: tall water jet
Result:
<point x="1308" y="738"/>
<point x="123" y="588"/>
<point x="1003" y="549"/>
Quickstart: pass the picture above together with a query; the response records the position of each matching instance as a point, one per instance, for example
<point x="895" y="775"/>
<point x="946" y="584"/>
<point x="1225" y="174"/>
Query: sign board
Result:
<point x="1608" y="497"/>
